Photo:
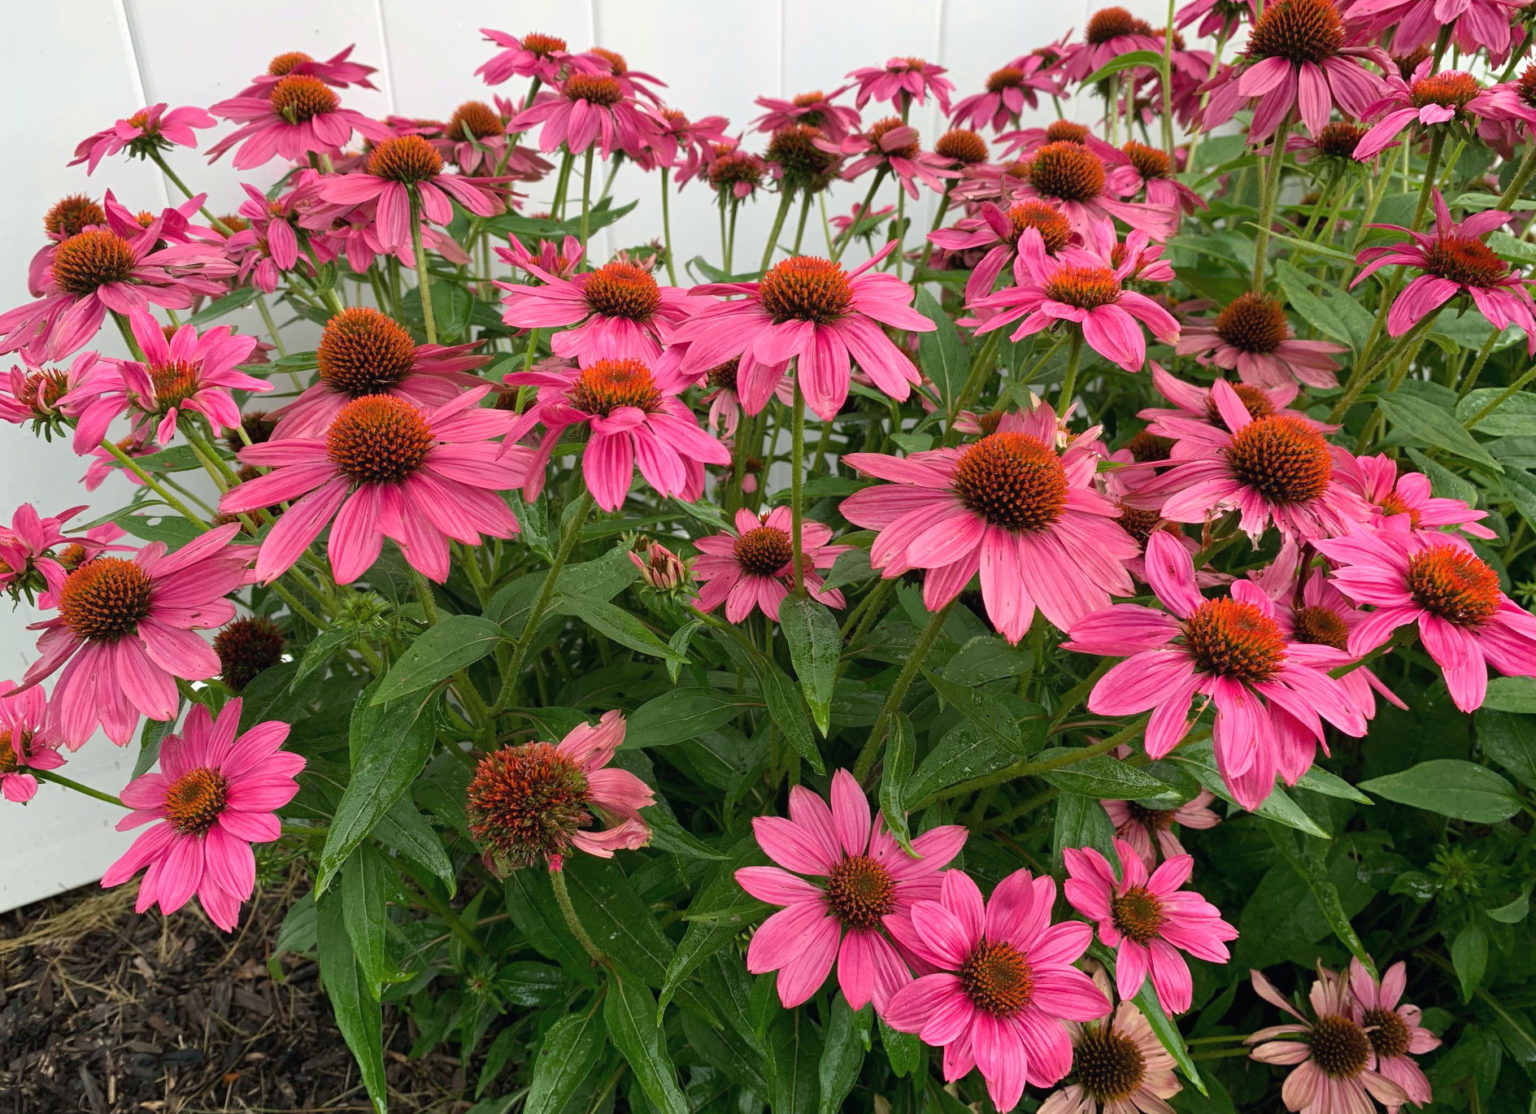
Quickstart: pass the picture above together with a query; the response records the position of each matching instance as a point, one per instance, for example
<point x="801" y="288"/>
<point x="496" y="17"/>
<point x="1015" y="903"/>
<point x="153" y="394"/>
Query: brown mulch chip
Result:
<point x="103" y="1011"/>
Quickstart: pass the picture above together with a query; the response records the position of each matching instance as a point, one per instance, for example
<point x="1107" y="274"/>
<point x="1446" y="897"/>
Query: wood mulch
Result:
<point x="103" y="1011"/>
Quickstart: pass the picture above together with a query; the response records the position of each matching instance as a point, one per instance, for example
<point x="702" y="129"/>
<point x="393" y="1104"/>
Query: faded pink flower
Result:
<point x="753" y="566"/>
<point x="1120" y="1065"/>
<point x="1394" y="1028"/>
<point x="151" y="129"/>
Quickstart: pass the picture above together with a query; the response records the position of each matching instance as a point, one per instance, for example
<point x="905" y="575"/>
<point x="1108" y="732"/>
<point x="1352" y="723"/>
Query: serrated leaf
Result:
<point x="569" y="1053"/>
<point x="815" y="646"/>
<point x="630" y="1014"/>
<point x="1451" y="787"/>
<point x="440" y="651"/>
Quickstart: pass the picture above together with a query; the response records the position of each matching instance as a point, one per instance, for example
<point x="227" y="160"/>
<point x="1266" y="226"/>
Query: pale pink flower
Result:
<point x="386" y="468"/>
<point x="816" y="110"/>
<point x="298" y="115"/>
<point x="1476" y="25"/>
<point x="1253" y="336"/>
<point x="26" y="743"/>
<point x="1396" y="1031"/>
<point x="337" y="70"/>
<point x="126" y="630"/>
<point x="216" y="794"/>
<point x="863" y="881"/>
<point x="1424" y="100"/>
<point x="588" y="108"/>
<point x="1149" y="831"/>
<point x="1465" y="620"/>
<point x="1271" y="695"/>
<point x="151" y="129"/>
<point x="902" y="82"/>
<point x="545" y="58"/>
<point x="1004" y="988"/>
<point x="753" y="566"/>
<point x="1009" y="506"/>
<point x="1148" y="919"/>
<point x="1377" y="480"/>
<point x="1122" y="1068"/>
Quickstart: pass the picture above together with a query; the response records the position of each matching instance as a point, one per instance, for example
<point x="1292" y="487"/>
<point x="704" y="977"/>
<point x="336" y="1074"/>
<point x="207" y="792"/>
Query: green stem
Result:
<point x="557" y="207"/>
<point x="979" y="365"/>
<point x="272" y="330"/>
<point x="423" y="279"/>
<point x="71" y="783"/>
<point x="805" y="212"/>
<point x="859" y="214"/>
<point x="1366" y="375"/>
<point x="666" y="222"/>
<point x="154" y="485"/>
<point x="296" y="607"/>
<point x="897" y="257"/>
<point x="572" y="921"/>
<point x="1517" y="183"/>
<point x="786" y="198"/>
<point x="1069" y="383"/>
<point x="424" y="594"/>
<point x="797" y="481"/>
<point x="586" y="195"/>
<point x="1271" y="194"/>
<point x="898" y="693"/>
<point x="938" y="220"/>
<point x="1502" y="397"/>
<point x="165" y="168"/>
<point x="1431" y="168"/>
<point x="1165" y="76"/>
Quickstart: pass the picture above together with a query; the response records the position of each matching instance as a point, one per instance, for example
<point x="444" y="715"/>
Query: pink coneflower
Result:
<point x="1139" y="169"/>
<point x="475" y="140"/>
<point x="297" y="116"/>
<point x="732" y="173"/>
<point x="635" y="83"/>
<point x="1026" y="141"/>
<point x="1149" y="831"/>
<point x="1273" y="470"/>
<point x="148" y="130"/>
<point x="682" y="144"/>
<point x="902" y="82"/>
<point x="1426" y="100"/>
<point x="1074" y="178"/>
<point x="537" y="801"/>
<point x="816" y="110"/>
<point x="1455" y="261"/>
<point x="562" y="260"/>
<point x="1118" y="1066"/>
<point x="1297" y="60"/>
<point x="891" y="146"/>
<point x="544" y="58"/>
<point x="1396" y="1032"/>
<point x="1147" y="920"/>
<point x="588" y="108"/>
<point x="857" y="216"/>
<point x="25" y="742"/>
<point x="1476" y="26"/>
<point x="125" y="633"/>
<point x="337" y="70"/>
<point x="362" y="352"/>
<point x="1217" y="17"/>
<point x="1005" y="987"/>
<point x="1110" y="33"/>
<point x="618" y="311"/>
<point x="1377" y="480"/>
<point x="215" y="795"/>
<point x="753" y="566"/>
<point x="1271" y="695"/>
<point x="1509" y="110"/>
<point x="863" y="878"/>
<point x="1009" y="91"/>
<point x="1009" y="506"/>
<point x="36" y="554"/>
<point x="1194" y="405"/>
<point x="1336" y="1065"/>
<point x="185" y="374"/>
<point x="1086" y="288"/>
<point x="724" y="412"/>
<point x="816" y="313"/>
<point x="386" y="468"/>
<point x="633" y="419"/>
<point x="998" y="230"/>
<point x="1465" y="621"/>
<point x="1253" y="336"/>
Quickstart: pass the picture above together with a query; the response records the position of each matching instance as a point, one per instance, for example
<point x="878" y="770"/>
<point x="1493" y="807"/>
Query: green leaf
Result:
<point x="365" y="886"/>
<point x="1433" y="426"/>
<point x="1451" y="787"/>
<point x="1082" y="822"/>
<point x="794" y="1043"/>
<point x="1312" y="870"/>
<point x="1514" y="417"/>
<point x="389" y="745"/>
<point x="1509" y="740"/>
<point x="440" y="651"/>
<point x="983" y="710"/>
<point x="815" y="645"/>
<point x="1512" y="912"/>
<point x="1168" y="1034"/>
<point x="1137" y="58"/>
<point x="171" y="529"/>
<point x="899" y="745"/>
<point x="1104" y="778"/>
<point x="682" y="714"/>
<point x="844" y="1045"/>
<point x="1311" y="308"/>
<point x="404" y="830"/>
<point x="1319" y="780"/>
<point x="961" y="754"/>
<point x="216" y="310"/>
<point x="358" y="1014"/>
<point x="617" y="918"/>
<point x="707" y="933"/>
<point x="1278" y="806"/>
<point x="451" y="305"/>
<point x="568" y="1055"/>
<point x="941" y="353"/>
<point x="1469" y="955"/>
<point x="321" y="649"/>
<point x="630" y="1013"/>
<point x="616" y="624"/>
<point x="787" y="710"/>
<point x="530" y="901"/>
<point x="903" y="1050"/>
<point x="1511" y="694"/>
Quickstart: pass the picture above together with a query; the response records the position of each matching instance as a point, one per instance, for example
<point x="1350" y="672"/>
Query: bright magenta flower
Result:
<point x="892" y="146"/>
<point x="295" y="117"/>
<point x="754" y="565"/>
<point x="1475" y="25"/>
<point x="1010" y="90"/>
<point x="1424" y="100"/>
<point x="863" y="881"/>
<point x="1194" y="405"/>
<point x="998" y="231"/>
<point x="587" y="108"/>
<point x="1010" y="506"/>
<point x="1075" y="178"/>
<point x="1376" y="480"/>
<point x="337" y="70"/>
<point x="836" y="121"/>
<point x="149" y="129"/>
<point x="1395" y="1029"/>
<point x="1148" y="919"/>
<point x="215" y="795"/>
<point x="1110" y="33"/>
<point x="26" y="743"/>
<point x="545" y="58"/>
<point x="36" y="554"/>
<point x="1252" y="335"/>
<point x="902" y="82"/>
<point x="1005" y="986"/>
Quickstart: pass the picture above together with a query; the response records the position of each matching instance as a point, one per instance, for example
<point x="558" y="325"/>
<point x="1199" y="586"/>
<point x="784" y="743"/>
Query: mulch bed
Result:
<point x="103" y="1011"/>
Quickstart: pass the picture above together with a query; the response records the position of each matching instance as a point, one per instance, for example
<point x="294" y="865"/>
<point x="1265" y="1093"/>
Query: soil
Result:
<point x="104" y="1011"/>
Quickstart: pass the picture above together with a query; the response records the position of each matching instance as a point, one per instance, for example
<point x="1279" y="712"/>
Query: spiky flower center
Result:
<point x="1254" y="400"/>
<point x="963" y="145"/>
<point x="598" y="89"/>
<point x="474" y="120"/>
<point x="525" y="802"/>
<point x="1321" y="626"/>
<point x="624" y="290"/>
<point x="379" y="439"/>
<point x="1145" y="447"/>
<point x="608" y="385"/>
<point x="881" y="128"/>
<point x="405" y="158"/>
<point x="1084" y="287"/>
<point x="1526" y="86"/>
<point x="1387" y="1032"/>
<point x="194" y="801"/>
<point x="1298" y="31"/>
<point x="1109" y="1066"/>
<point x="91" y="259"/>
<point x="105" y="599"/>
<point x="1009" y="77"/>
<point x="794" y="149"/>
<point x="1065" y="131"/>
<point x="997" y="978"/>
<point x="41" y="392"/>
<point x="1393" y="503"/>
<point x="12" y="750"/>
<point x="1148" y="161"/>
<point x="724" y="377"/>
<point x="1339" y="1046"/>
<point x="543" y="46"/>
<point x="1232" y="638"/>
<point x="907" y="65"/>
<point x="362" y="352"/>
<point x="1339" y="139"/>
<point x="1447" y="581"/>
<point x="860" y="892"/>
<point x="1462" y="260"/>
<point x="1054" y="228"/>
<point x="1253" y="323"/>
<point x="72" y="215"/>
<point x="284" y="64"/>
<point x="299" y="97"/>
<point x="763" y="550"/>
<point x="1153" y="819"/>
<point x="1068" y="171"/>
<point x="615" y="60"/>
<point x="1282" y="458"/>
<point x="1012" y="481"/>
<point x="735" y="167"/>
<point x="1111" y="23"/>
<point x="246" y="647"/>
<point x="174" y="383"/>
<point x="1139" y="522"/>
<point x="1138" y="914"/>
<point x="806" y="288"/>
<point x="1452" y="89"/>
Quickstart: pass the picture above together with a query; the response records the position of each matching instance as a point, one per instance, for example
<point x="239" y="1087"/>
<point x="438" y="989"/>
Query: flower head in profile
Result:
<point x="126" y="631"/>
<point x="1336" y="1067"/>
<point x="1075" y="178"/>
<point x="1436" y="582"/>
<point x="542" y="57"/>
<point x="1149" y="831"/>
<point x="753" y="565"/>
<point x="338" y="70"/>
<point x="1004" y="986"/>
<point x="149" y="130"/>
<point x="1118" y="1067"/>
<point x="902" y="82"/>
<point x="1422" y="101"/>
<point x="1376" y="479"/>
<point x="362" y="352"/>
<point x="216" y="793"/>
<point x="536" y="802"/>
<point x="1010" y="506"/>
<point x="1253" y="336"/>
<point x="859" y="881"/>
<point x="893" y="147"/>
<point x="583" y="109"/>
<point x="475" y="140"/>
<point x="1009" y="91"/>
<point x="26" y="743"/>
<point x="812" y="311"/>
<point x="1110" y="33"/>
<point x="1394" y="1027"/>
<point x="815" y="109"/>
<point x="292" y="118"/>
<point x="1148" y="919"/>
